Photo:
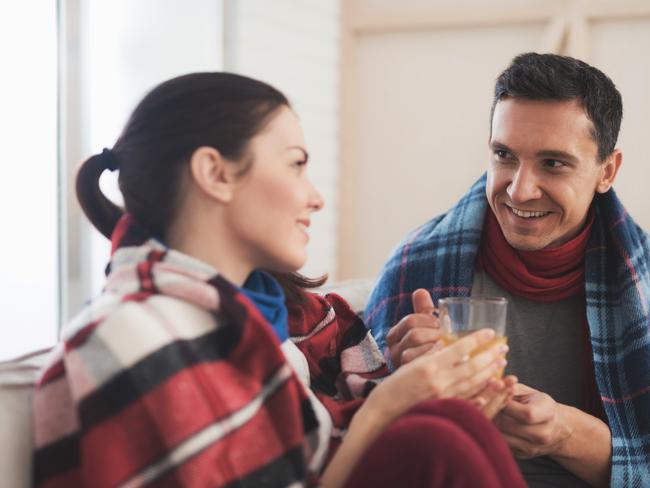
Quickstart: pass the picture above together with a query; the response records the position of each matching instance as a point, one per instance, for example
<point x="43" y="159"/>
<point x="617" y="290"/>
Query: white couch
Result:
<point x="17" y="378"/>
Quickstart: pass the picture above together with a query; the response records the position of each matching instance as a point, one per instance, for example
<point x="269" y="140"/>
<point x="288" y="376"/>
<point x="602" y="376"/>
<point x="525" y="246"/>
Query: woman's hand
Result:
<point x="443" y="373"/>
<point x="495" y="396"/>
<point x="448" y="372"/>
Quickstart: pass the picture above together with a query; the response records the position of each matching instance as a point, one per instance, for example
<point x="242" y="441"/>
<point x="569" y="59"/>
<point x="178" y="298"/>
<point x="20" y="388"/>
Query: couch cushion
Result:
<point x="355" y="292"/>
<point x="17" y="378"/>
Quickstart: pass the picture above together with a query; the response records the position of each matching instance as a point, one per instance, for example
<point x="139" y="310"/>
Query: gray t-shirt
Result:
<point x="546" y="353"/>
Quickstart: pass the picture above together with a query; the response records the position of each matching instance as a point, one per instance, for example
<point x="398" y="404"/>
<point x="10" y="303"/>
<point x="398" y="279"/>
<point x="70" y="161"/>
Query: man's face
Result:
<point x="544" y="171"/>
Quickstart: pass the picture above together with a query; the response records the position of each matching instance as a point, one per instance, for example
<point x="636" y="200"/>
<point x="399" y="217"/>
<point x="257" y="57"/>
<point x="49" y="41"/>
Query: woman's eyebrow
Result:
<point x="302" y="149"/>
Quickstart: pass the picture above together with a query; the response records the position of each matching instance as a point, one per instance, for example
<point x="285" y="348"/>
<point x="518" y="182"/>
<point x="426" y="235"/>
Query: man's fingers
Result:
<point x="408" y="323"/>
<point x="518" y="411"/>
<point x="418" y="333"/>
<point x="507" y="424"/>
<point x="418" y="337"/>
<point x="422" y="301"/>
<point x="523" y="390"/>
<point x="414" y="352"/>
<point x="535" y="409"/>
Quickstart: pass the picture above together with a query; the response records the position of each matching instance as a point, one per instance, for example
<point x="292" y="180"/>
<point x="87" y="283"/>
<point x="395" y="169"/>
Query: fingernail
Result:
<point x="487" y="334"/>
<point x="503" y="348"/>
<point x="501" y="362"/>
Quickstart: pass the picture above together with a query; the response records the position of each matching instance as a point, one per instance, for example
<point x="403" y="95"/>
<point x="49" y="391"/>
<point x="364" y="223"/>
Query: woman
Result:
<point x="185" y="371"/>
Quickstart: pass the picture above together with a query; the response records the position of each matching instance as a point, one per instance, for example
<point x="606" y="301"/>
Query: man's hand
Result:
<point x="533" y="424"/>
<point x="416" y="333"/>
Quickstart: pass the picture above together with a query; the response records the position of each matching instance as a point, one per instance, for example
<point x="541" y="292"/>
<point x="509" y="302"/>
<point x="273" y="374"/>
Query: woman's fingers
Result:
<point x="497" y="394"/>
<point x="463" y="375"/>
<point x="460" y="351"/>
<point x="470" y="383"/>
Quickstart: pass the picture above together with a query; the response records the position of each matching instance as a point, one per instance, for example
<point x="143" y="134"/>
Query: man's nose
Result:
<point x="524" y="185"/>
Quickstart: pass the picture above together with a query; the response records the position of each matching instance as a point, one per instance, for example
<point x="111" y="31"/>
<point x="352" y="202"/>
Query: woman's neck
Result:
<point x="205" y="240"/>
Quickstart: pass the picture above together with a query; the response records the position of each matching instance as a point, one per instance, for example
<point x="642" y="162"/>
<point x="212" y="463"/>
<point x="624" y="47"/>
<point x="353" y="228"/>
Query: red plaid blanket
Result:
<point x="171" y="377"/>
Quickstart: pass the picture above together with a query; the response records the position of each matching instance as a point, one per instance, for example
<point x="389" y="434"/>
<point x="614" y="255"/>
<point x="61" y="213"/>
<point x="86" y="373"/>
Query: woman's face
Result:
<point x="270" y="212"/>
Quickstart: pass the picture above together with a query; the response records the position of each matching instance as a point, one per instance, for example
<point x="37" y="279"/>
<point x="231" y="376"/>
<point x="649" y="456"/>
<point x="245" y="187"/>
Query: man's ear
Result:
<point x="213" y="174"/>
<point x="609" y="171"/>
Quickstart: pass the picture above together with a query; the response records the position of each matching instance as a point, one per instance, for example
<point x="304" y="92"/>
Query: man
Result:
<point x="544" y="229"/>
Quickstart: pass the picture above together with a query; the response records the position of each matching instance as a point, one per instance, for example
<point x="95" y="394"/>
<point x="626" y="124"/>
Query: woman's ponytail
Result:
<point x="220" y="110"/>
<point x="101" y="212"/>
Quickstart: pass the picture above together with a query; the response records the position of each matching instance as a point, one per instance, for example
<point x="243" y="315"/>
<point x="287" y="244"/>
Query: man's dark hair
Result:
<point x="535" y="76"/>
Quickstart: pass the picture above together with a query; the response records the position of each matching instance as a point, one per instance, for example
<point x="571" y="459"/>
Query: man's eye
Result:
<point x="553" y="163"/>
<point x="501" y="154"/>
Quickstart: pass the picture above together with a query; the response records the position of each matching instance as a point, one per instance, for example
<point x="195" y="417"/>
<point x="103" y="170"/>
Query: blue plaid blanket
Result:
<point x="440" y="256"/>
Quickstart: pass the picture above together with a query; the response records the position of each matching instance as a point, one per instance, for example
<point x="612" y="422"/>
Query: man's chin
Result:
<point x="526" y="243"/>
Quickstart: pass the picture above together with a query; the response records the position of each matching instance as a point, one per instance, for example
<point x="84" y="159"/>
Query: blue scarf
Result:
<point x="441" y="255"/>
<point x="267" y="295"/>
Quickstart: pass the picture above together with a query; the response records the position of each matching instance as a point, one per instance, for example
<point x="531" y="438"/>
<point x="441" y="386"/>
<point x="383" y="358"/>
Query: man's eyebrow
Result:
<point x="544" y="153"/>
<point x="302" y="149"/>
<point x="500" y="146"/>
<point x="553" y="154"/>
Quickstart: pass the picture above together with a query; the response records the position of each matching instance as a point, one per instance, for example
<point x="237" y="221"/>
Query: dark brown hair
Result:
<point x="220" y="110"/>
<point x="535" y="76"/>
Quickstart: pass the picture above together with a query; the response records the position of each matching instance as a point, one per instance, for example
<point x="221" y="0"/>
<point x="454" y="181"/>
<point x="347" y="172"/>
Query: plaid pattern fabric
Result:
<point x="344" y="360"/>
<point x="171" y="377"/>
<point x="440" y="257"/>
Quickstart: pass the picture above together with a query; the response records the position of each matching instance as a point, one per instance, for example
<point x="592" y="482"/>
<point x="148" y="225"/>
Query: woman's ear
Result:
<point x="213" y="174"/>
<point x="609" y="171"/>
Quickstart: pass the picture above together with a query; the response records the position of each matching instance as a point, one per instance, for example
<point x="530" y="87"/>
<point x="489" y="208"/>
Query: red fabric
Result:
<point x="547" y="275"/>
<point x="438" y="443"/>
<point x="337" y="379"/>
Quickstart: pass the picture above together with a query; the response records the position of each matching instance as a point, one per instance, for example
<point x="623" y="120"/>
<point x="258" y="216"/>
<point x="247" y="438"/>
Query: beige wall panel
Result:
<point x="423" y="114"/>
<point x="622" y="50"/>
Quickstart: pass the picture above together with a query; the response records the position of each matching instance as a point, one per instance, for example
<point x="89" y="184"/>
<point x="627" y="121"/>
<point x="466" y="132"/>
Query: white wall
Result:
<point x="115" y="52"/>
<point x="294" y="45"/>
<point x="111" y="54"/>
<point x="419" y="80"/>
<point x="631" y="73"/>
<point x="28" y="188"/>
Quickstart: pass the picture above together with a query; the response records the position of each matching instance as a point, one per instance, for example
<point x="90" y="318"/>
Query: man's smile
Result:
<point x="527" y="214"/>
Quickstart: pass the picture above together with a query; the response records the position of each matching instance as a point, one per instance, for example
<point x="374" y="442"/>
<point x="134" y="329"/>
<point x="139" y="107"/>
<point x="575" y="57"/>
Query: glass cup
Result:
<point x="460" y="316"/>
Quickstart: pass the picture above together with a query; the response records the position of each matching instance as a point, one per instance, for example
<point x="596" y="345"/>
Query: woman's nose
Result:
<point x="316" y="201"/>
